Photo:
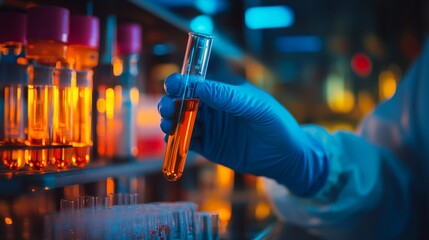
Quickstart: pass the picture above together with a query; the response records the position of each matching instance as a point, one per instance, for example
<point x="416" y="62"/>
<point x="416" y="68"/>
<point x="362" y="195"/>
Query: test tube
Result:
<point x="207" y="225"/>
<point x="39" y="114"/>
<point x="82" y="56"/>
<point x="64" y="78"/>
<point x="82" y="118"/>
<point x="104" y="98"/>
<point x="194" y="66"/>
<point x="126" y="93"/>
<point x="15" y="113"/>
<point x="13" y="84"/>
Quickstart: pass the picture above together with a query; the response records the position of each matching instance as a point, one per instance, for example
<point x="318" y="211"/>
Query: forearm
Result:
<point x="363" y="186"/>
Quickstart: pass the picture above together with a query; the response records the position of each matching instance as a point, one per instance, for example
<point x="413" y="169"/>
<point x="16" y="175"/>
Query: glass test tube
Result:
<point x="13" y="81"/>
<point x="64" y="79"/>
<point x="82" y="115"/>
<point x="39" y="114"/>
<point x="104" y="94"/>
<point x="194" y="66"/>
<point x="15" y="113"/>
<point x="126" y="93"/>
<point x="207" y="225"/>
<point x="82" y="56"/>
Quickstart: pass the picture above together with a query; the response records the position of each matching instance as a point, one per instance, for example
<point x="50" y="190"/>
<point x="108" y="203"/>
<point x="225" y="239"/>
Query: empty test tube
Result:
<point x="207" y="225"/>
<point x="194" y="66"/>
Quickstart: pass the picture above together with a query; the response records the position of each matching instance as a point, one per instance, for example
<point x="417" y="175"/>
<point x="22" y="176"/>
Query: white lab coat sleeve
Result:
<point x="366" y="195"/>
<point x="370" y="192"/>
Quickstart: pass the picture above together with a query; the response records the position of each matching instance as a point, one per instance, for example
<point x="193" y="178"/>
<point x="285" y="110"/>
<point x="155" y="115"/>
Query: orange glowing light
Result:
<point x="101" y="105"/>
<point x="387" y="84"/>
<point x="134" y="95"/>
<point x="365" y="102"/>
<point x="218" y="205"/>
<point x="224" y="177"/>
<point x="259" y="186"/>
<point x="22" y="61"/>
<point x="262" y="211"/>
<point x="148" y="117"/>
<point x="110" y="185"/>
<point x="8" y="220"/>
<point x="343" y="102"/>
<point x="110" y="103"/>
<point x="117" y="66"/>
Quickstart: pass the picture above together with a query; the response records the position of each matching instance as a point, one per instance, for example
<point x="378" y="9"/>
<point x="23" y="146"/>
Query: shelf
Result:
<point x="26" y="181"/>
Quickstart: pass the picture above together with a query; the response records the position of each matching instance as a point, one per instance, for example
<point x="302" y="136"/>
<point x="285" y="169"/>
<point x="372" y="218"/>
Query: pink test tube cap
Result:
<point x="84" y="30"/>
<point x="128" y="38"/>
<point x="13" y="27"/>
<point x="48" y="23"/>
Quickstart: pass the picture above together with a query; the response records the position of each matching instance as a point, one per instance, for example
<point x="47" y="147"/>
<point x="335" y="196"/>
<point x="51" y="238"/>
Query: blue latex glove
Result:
<point x="247" y="130"/>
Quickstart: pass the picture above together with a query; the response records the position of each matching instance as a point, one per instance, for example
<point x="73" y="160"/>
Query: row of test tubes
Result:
<point x="46" y="65"/>
<point x="47" y="77"/>
<point x="47" y="57"/>
<point x="119" y="216"/>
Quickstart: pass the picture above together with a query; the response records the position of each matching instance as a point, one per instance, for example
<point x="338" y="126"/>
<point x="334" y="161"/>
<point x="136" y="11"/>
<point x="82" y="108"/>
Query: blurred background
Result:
<point x="329" y="62"/>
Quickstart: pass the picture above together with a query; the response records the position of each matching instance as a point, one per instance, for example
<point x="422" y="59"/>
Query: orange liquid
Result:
<point x="14" y="126"/>
<point x="38" y="159"/>
<point x="61" y="158"/>
<point x="105" y="122"/>
<point x="61" y="124"/>
<point x="13" y="159"/>
<point x="39" y="100"/>
<point x="81" y="156"/>
<point x="179" y="139"/>
<point x="82" y="139"/>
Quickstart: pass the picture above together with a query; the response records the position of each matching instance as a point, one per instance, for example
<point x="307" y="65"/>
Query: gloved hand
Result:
<point x="247" y="130"/>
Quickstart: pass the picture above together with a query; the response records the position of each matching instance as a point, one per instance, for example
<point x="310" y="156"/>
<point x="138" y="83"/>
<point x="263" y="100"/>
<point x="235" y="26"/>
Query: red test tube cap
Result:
<point x="85" y="31"/>
<point x="13" y="27"/>
<point x="128" y="38"/>
<point x="48" y="23"/>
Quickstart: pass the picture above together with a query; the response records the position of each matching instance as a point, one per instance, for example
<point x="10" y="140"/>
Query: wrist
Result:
<point x="316" y="168"/>
<point x="306" y="172"/>
<point x="335" y="177"/>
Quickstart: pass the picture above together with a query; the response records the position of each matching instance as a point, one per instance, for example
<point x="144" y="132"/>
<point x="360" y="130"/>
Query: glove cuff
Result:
<point x="335" y="177"/>
<point x="308" y="173"/>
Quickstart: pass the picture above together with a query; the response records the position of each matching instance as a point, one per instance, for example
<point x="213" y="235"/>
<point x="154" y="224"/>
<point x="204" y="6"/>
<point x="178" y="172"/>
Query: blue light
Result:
<point x="206" y="6"/>
<point x="299" y="44"/>
<point x="269" y="17"/>
<point x="202" y="24"/>
<point x="175" y="3"/>
<point x="161" y="49"/>
<point x="211" y="6"/>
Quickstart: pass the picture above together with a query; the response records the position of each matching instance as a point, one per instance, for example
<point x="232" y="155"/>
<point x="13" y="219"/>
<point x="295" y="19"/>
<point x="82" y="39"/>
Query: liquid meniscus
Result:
<point x="179" y="138"/>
